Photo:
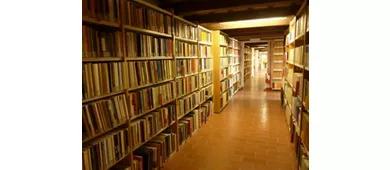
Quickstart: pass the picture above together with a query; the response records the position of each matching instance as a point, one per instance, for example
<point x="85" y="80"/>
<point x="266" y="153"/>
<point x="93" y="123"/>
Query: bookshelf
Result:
<point x="247" y="63"/>
<point x="277" y="58"/>
<point x="147" y="75"/>
<point x="296" y="86"/>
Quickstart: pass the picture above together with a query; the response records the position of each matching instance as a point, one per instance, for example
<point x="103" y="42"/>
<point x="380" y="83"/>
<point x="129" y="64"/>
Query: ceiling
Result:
<point x="210" y="14"/>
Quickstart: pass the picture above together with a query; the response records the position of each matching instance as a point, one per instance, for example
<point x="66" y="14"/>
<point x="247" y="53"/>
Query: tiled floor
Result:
<point x="250" y="134"/>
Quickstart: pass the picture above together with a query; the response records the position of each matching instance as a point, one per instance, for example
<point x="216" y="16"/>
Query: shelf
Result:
<point x="151" y="110"/>
<point x="141" y="30"/>
<point x="299" y="65"/>
<point x="100" y="22"/>
<point x="147" y="58"/>
<point x="226" y="56"/>
<point x="276" y="88"/>
<point x="186" y="57"/>
<point x="224" y="78"/>
<point x="104" y="132"/>
<point x="290" y="62"/>
<point x="207" y="98"/>
<point x="187" y="75"/>
<point x="207" y="57"/>
<point x="277" y="78"/>
<point x="187" y="40"/>
<point x="143" y="143"/>
<point x="224" y="91"/>
<point x="114" y="163"/>
<point x="101" y="59"/>
<point x="204" y="43"/>
<point x="223" y="45"/>
<point x="224" y="67"/>
<point x="204" y="71"/>
<point x="224" y="106"/>
<point x="102" y="96"/>
<point x="278" y="54"/>
<point x="234" y="64"/>
<point x="206" y="85"/>
<point x="247" y="67"/>
<point x="307" y="68"/>
<point x="278" y="47"/>
<point x="233" y="55"/>
<point x="149" y="85"/>
<point x="278" y="61"/>
<point x="278" y="70"/>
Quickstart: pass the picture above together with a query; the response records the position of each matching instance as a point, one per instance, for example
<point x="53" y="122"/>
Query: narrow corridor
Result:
<point x="250" y="134"/>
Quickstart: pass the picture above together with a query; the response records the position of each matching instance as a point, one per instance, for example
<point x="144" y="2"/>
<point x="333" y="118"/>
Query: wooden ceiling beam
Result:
<point x="243" y="33"/>
<point x="244" y="15"/>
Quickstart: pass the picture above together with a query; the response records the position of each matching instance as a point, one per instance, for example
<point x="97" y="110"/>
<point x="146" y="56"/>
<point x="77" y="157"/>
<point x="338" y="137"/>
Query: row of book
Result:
<point x="205" y="36"/>
<point x="306" y="63"/>
<point x="224" y="99"/>
<point x="306" y="94"/>
<point x="234" y="44"/>
<point x="206" y="64"/>
<point x="187" y="85"/>
<point x="101" y="43"/>
<point x="223" y="51"/>
<point x="141" y="45"/>
<point x="145" y="128"/>
<point x="298" y="84"/>
<point x="300" y="26"/>
<point x="184" y="30"/>
<point x="193" y="121"/>
<point x="234" y="69"/>
<point x="137" y="15"/>
<point x="290" y="55"/>
<point x="205" y="93"/>
<point x="290" y="75"/>
<point x="150" y="98"/>
<point x="107" y="10"/>
<point x="102" y="154"/>
<point x="205" y="51"/>
<point x="234" y="79"/>
<point x="234" y="60"/>
<point x="223" y="40"/>
<point x="101" y="78"/>
<point x="224" y="85"/>
<point x="224" y="73"/>
<point x="232" y="52"/>
<point x="148" y="72"/>
<point x="186" y="66"/>
<point x="187" y="103"/>
<point x="155" y="152"/>
<point x="184" y="49"/>
<point x="298" y="56"/>
<point x="103" y="115"/>
<point x="206" y="78"/>
<point x="224" y="62"/>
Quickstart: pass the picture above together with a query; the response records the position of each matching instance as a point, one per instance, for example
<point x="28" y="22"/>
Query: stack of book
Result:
<point x="143" y="73"/>
<point x="187" y="85"/>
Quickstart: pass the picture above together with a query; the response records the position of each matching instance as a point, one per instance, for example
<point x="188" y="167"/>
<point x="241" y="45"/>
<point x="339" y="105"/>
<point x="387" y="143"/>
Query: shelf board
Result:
<point x="278" y="47"/>
<point x="205" y="43"/>
<point x="147" y="58"/>
<point x="141" y="30"/>
<point x="224" y="67"/>
<point x="149" y="85"/>
<point x="234" y="64"/>
<point x="207" y="57"/>
<point x="102" y="96"/>
<point x="100" y="22"/>
<point x="225" y="56"/>
<point x="151" y="110"/>
<point x="101" y="59"/>
<point x="276" y="88"/>
<point x="187" y="94"/>
<point x="187" y="75"/>
<point x="278" y="54"/>
<point x="224" y="78"/>
<point x="290" y="62"/>
<point x="233" y="55"/>
<point x="223" y="45"/>
<point x="278" y="70"/>
<point x="307" y="68"/>
<point x="299" y="65"/>
<point x="204" y="71"/>
<point x="277" y="78"/>
<point x="206" y="85"/>
<point x="224" y="106"/>
<point x="278" y="61"/>
<point x="186" y="57"/>
<point x="224" y="91"/>
<point x="114" y="163"/>
<point x="185" y="39"/>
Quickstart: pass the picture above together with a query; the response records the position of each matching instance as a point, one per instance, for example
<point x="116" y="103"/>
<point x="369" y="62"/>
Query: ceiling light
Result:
<point x="254" y="20"/>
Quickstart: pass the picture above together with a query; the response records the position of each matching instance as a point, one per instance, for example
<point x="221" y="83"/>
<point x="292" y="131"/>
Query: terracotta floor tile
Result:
<point x="251" y="133"/>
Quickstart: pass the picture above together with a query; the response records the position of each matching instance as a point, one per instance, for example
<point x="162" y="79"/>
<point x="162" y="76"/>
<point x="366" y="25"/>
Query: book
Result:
<point x="187" y="85"/>
<point x="106" y="10"/>
<point x="205" y="78"/>
<point x="206" y="64"/>
<point x="205" y="51"/>
<point x="186" y="66"/>
<point x="205" y="36"/>
<point x="98" y="43"/>
<point x="142" y="45"/>
<point x="147" y="99"/>
<point x="139" y="16"/>
<point x="102" y="153"/>
<point x="147" y="126"/>
<point x="184" y="30"/>
<point x="187" y="103"/>
<point x="184" y="49"/>
<point x="101" y="78"/>
<point x="223" y="40"/>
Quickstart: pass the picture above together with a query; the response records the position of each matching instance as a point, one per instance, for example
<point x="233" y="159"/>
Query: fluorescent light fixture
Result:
<point x="254" y="20"/>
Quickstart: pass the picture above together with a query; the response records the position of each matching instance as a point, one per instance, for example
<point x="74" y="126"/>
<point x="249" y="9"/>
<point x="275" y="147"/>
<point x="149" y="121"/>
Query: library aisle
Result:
<point x="250" y="134"/>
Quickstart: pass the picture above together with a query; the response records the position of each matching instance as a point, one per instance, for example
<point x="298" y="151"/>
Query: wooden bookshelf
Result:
<point x="277" y="55"/>
<point x="296" y="86"/>
<point x="103" y="93"/>
<point x="247" y="63"/>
